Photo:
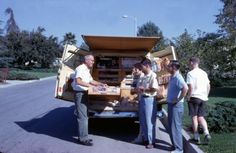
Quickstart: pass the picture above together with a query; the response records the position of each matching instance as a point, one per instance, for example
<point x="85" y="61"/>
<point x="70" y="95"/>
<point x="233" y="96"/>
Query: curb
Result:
<point x="188" y="147"/>
<point x="10" y="83"/>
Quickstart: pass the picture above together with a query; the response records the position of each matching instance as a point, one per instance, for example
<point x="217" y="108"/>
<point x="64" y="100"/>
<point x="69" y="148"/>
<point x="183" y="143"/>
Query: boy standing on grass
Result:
<point x="199" y="88"/>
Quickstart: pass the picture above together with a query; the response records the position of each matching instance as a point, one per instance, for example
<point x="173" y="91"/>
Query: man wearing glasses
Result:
<point x="82" y="81"/>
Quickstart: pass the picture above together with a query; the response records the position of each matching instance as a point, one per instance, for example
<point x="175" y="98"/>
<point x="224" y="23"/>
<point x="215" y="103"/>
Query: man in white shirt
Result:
<point x="147" y="89"/>
<point x="199" y="88"/>
<point x="82" y="81"/>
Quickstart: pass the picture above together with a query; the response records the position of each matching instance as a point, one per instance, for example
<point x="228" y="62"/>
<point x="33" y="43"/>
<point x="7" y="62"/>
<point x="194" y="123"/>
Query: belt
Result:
<point x="145" y="96"/>
<point x="85" y="91"/>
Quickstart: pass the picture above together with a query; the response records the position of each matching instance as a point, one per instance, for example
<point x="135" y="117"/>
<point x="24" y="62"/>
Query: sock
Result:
<point x="196" y="136"/>
<point x="206" y="132"/>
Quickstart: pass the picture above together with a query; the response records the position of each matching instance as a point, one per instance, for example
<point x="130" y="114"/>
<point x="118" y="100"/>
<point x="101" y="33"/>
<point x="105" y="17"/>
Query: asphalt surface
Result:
<point x="33" y="121"/>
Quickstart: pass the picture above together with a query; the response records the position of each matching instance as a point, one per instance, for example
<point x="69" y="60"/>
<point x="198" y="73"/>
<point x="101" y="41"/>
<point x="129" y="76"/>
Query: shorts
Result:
<point x="197" y="107"/>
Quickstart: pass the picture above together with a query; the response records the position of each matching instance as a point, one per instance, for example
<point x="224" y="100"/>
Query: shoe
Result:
<point x="160" y="114"/>
<point x="177" y="151"/>
<point x="149" y="146"/>
<point x="207" y="138"/>
<point x="86" y="142"/>
<point x="195" y="141"/>
<point x="138" y="140"/>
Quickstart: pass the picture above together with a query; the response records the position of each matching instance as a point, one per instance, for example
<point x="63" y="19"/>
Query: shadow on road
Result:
<point x="61" y="123"/>
<point x="122" y="129"/>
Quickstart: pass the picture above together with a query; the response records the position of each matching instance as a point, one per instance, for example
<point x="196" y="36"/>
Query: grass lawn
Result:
<point x="18" y="74"/>
<point x="41" y="74"/>
<point x="221" y="143"/>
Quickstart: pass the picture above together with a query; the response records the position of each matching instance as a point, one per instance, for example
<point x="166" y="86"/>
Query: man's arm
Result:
<point x="82" y="83"/>
<point x="208" y="88"/>
<point x="190" y="89"/>
<point x="190" y="83"/>
<point x="151" y="90"/>
<point x="183" y="94"/>
<point x="96" y="83"/>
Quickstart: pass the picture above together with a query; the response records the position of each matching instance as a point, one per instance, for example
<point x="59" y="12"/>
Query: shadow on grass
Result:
<point x="229" y="92"/>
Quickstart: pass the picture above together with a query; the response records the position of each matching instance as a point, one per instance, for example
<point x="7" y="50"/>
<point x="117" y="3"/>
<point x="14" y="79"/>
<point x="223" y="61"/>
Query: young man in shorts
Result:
<point x="199" y="88"/>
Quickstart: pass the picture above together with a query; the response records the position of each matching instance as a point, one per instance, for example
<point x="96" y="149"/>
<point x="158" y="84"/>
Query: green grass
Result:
<point x="42" y="74"/>
<point x="221" y="143"/>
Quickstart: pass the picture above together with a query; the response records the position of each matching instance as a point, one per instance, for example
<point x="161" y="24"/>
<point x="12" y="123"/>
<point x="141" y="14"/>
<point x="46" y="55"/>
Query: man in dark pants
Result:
<point x="199" y="88"/>
<point x="177" y="90"/>
<point x="82" y="81"/>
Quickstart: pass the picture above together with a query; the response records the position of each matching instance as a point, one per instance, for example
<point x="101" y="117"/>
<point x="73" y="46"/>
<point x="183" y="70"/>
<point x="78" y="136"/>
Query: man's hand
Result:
<point x="188" y="98"/>
<point x="104" y="85"/>
<point x="140" y="89"/>
<point x="175" y="101"/>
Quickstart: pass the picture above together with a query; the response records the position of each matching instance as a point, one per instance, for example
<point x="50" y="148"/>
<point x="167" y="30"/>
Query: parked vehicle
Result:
<point x="114" y="59"/>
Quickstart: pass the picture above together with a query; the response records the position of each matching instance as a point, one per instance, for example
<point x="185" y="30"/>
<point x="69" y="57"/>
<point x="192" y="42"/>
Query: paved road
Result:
<point x="33" y="121"/>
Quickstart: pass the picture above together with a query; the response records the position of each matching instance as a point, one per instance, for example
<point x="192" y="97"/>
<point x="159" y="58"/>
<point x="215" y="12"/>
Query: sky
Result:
<point x="104" y="17"/>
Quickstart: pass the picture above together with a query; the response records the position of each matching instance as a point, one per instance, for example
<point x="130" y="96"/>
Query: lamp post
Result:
<point x="135" y="22"/>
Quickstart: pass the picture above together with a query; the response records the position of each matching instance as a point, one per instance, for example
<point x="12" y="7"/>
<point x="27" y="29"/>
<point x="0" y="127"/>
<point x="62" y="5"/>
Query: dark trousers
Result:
<point x="81" y="100"/>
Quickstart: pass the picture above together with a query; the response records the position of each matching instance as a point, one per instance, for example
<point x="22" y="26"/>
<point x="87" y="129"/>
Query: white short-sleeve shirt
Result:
<point x="82" y="72"/>
<point x="199" y="81"/>
<point x="148" y="81"/>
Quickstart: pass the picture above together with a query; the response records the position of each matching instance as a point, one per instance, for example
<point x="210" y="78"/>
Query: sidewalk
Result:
<point x="10" y="83"/>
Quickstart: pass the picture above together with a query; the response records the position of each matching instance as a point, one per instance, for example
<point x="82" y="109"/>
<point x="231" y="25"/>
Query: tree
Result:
<point x="227" y="21"/>
<point x="32" y="47"/>
<point x="227" y="18"/>
<point x="1" y="30"/>
<point x="46" y="48"/>
<point x="1" y="38"/>
<point x="11" y="25"/>
<point x="149" y="29"/>
<point x="69" y="38"/>
<point x="184" y="45"/>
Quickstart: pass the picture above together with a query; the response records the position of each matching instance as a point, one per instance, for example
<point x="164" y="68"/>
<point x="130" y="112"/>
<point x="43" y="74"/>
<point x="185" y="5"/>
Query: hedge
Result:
<point x="222" y="117"/>
<point x="14" y="75"/>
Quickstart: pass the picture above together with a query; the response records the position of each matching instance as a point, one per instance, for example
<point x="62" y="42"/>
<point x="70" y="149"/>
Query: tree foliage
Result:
<point x="227" y="18"/>
<point x="69" y="38"/>
<point x="30" y="48"/>
<point x="11" y="25"/>
<point x="1" y="29"/>
<point x="185" y="49"/>
<point x="149" y="29"/>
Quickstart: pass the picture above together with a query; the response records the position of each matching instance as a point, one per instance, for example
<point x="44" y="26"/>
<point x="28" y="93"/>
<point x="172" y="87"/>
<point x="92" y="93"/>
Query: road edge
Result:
<point x="19" y="82"/>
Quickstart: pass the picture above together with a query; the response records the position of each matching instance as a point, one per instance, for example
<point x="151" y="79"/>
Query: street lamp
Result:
<point x="135" y="22"/>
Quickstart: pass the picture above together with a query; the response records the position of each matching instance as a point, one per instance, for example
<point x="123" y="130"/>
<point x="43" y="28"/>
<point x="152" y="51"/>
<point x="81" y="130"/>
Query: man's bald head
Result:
<point x="89" y="60"/>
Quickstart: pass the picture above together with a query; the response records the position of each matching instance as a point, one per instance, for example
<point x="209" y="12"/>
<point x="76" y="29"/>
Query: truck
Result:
<point x="114" y="59"/>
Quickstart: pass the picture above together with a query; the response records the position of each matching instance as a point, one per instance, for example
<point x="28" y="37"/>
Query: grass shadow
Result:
<point x="228" y="92"/>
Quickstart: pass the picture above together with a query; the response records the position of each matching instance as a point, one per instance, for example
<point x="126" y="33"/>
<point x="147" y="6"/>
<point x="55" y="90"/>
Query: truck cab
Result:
<point x="114" y="60"/>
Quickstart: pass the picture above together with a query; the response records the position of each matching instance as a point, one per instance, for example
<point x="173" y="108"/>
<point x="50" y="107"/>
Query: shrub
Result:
<point x="14" y="75"/>
<point x="222" y="117"/>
